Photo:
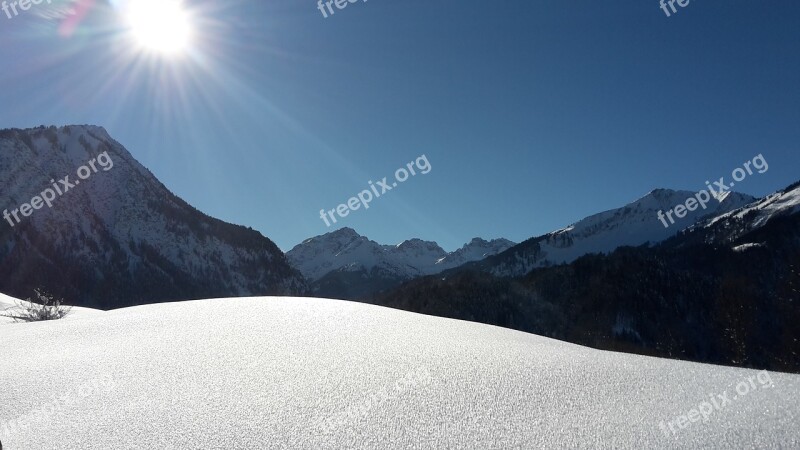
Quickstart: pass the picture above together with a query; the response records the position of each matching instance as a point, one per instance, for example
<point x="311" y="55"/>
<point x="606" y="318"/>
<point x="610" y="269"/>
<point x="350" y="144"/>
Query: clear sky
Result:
<point x="532" y="113"/>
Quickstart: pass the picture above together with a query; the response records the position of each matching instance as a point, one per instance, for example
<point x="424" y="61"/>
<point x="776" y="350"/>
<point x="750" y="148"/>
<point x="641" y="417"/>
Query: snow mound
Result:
<point x="300" y="373"/>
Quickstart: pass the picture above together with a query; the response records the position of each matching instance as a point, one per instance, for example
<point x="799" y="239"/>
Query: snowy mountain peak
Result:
<point x="345" y="232"/>
<point x="420" y="247"/>
<point x="634" y="224"/>
<point x="483" y="243"/>
<point x="340" y="235"/>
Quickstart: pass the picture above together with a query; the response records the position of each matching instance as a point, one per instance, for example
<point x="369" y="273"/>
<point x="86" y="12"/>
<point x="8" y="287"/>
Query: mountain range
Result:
<point x="344" y="264"/>
<point x="719" y="286"/>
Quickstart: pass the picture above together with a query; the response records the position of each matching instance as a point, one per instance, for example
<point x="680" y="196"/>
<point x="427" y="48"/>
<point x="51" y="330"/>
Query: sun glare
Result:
<point x="161" y="26"/>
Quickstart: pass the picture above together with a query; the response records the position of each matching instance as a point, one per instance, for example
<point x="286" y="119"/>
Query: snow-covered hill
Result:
<point x="632" y="225"/>
<point x="296" y="373"/>
<point x="118" y="237"/>
<point x="345" y="251"/>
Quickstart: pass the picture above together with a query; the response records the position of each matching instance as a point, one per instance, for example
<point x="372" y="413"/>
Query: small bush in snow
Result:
<point x="43" y="306"/>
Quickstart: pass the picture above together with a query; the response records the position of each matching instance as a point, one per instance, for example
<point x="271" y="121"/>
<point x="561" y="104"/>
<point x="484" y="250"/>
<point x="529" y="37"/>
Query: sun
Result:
<point x="160" y="26"/>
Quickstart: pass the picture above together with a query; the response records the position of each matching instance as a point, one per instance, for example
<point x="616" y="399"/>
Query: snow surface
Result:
<point x="297" y="373"/>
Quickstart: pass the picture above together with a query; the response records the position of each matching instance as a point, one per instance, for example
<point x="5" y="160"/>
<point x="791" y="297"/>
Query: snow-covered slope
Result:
<point x="632" y="225"/>
<point x="346" y="250"/>
<point x="119" y="230"/>
<point x="298" y="373"/>
<point x="733" y="224"/>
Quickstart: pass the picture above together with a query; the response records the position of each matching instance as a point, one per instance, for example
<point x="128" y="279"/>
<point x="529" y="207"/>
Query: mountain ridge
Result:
<point x="334" y="262"/>
<point x="633" y="224"/>
<point x="345" y="263"/>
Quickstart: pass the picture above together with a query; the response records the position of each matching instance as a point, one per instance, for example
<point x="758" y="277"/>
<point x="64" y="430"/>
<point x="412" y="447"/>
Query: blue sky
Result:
<point x="533" y="114"/>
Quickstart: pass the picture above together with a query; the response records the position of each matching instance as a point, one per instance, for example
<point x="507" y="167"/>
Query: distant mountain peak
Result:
<point x="345" y="231"/>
